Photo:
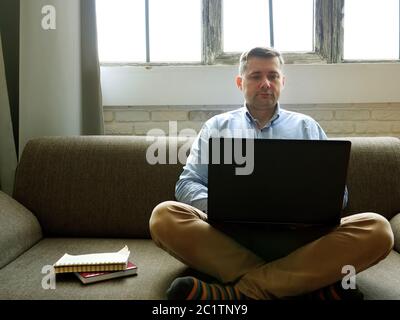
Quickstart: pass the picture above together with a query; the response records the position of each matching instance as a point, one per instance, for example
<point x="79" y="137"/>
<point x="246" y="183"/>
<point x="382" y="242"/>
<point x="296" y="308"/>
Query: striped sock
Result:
<point x="190" y="288"/>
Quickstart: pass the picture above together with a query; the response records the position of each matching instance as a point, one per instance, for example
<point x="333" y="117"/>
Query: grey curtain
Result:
<point x="8" y="155"/>
<point x="49" y="79"/>
<point x="60" y="90"/>
<point x="92" y="108"/>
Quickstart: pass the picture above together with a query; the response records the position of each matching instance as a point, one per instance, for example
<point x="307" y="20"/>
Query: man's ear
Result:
<point x="239" y="82"/>
<point x="283" y="81"/>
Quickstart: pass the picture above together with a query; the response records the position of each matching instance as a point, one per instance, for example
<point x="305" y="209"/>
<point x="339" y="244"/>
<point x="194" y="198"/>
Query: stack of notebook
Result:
<point x="96" y="267"/>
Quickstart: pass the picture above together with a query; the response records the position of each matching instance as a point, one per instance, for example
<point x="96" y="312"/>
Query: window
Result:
<point x="293" y="25"/>
<point x="149" y="30"/>
<point x="245" y="24"/>
<point x="217" y="31"/>
<point x="118" y="21"/>
<point x="371" y="30"/>
<point x="285" y="24"/>
<point x="175" y="30"/>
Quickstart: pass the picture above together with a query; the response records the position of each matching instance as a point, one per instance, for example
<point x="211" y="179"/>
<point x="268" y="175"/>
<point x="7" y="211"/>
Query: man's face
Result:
<point x="261" y="82"/>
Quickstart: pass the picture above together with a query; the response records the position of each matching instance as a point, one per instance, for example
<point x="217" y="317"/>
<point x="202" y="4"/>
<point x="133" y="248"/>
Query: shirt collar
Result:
<point x="275" y="116"/>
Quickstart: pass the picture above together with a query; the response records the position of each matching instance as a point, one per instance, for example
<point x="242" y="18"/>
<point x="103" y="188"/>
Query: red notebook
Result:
<point x="90" y="277"/>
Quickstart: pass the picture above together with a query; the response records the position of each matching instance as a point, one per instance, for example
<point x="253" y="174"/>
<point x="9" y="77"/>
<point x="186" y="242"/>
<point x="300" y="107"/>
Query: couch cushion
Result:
<point x="19" y="229"/>
<point x="381" y="282"/>
<point x="95" y="186"/>
<point x="22" y="279"/>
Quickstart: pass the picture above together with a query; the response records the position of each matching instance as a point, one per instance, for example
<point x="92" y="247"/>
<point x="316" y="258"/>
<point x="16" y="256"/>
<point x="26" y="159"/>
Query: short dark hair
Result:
<point x="261" y="52"/>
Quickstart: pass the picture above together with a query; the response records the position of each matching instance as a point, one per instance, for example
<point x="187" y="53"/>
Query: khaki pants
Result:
<point x="268" y="264"/>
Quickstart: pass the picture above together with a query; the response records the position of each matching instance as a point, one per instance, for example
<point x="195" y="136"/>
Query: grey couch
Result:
<point x="96" y="194"/>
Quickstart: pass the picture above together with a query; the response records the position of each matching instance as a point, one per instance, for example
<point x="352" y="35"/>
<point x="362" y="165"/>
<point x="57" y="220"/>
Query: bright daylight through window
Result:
<point x="177" y="31"/>
<point x="174" y="30"/>
<point x="371" y="30"/>
<point x="247" y="23"/>
<point x="121" y="30"/>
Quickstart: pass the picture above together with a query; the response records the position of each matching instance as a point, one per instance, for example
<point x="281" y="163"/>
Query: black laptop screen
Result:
<point x="281" y="181"/>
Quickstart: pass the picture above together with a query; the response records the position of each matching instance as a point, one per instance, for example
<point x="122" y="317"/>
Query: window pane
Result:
<point x="245" y="24"/>
<point x="121" y="30"/>
<point x="371" y="29"/>
<point x="293" y="25"/>
<point x="175" y="30"/>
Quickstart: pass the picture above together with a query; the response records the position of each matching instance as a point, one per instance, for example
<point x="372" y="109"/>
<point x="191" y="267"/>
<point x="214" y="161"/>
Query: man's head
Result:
<point x="261" y="77"/>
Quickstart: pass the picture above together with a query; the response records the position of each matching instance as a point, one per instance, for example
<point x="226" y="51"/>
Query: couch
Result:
<point x="96" y="194"/>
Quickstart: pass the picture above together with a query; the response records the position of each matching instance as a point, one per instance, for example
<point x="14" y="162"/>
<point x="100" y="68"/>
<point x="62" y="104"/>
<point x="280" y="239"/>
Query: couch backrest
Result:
<point x="93" y="186"/>
<point x="374" y="176"/>
<point x="105" y="187"/>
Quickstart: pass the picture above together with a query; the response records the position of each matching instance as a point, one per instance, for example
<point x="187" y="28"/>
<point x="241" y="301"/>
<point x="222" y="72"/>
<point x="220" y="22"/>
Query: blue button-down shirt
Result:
<point x="191" y="187"/>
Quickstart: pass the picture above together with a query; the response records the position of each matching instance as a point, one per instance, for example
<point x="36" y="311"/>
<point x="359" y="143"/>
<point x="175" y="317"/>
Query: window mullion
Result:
<point x="271" y="23"/>
<point x="338" y="31"/>
<point x="212" y="30"/>
<point x="329" y="29"/>
<point x="147" y="21"/>
<point x="319" y="28"/>
<point x="313" y="27"/>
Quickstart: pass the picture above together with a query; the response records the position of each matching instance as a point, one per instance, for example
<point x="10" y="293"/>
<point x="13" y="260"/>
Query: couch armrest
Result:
<point x="395" y="223"/>
<point x="19" y="229"/>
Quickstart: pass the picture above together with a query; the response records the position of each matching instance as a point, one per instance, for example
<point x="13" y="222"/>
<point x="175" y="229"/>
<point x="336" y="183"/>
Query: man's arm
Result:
<point x="315" y="131"/>
<point x="191" y="187"/>
<point x="322" y="136"/>
<point x="345" y="198"/>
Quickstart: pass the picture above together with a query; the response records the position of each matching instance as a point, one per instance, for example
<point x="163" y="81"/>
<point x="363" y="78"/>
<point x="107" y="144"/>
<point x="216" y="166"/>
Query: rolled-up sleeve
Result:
<point x="191" y="188"/>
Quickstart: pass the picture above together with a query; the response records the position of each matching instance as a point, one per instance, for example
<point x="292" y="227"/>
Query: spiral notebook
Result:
<point x="109" y="261"/>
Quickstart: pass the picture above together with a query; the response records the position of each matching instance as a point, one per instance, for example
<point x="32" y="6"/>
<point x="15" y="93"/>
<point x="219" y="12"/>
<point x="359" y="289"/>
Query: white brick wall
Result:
<point x="132" y="116"/>
<point x="108" y="116"/>
<point x="386" y="115"/>
<point x="169" y="115"/>
<point x="142" y="128"/>
<point x="352" y="115"/>
<point x="337" y="120"/>
<point x="396" y="129"/>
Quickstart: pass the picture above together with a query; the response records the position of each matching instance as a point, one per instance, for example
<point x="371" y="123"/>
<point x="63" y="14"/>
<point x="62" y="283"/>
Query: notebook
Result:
<point x="274" y="181"/>
<point x="109" y="261"/>
<point x="97" y="276"/>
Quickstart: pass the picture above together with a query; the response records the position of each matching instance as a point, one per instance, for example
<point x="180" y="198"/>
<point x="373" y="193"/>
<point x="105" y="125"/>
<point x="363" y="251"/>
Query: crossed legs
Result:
<point x="361" y="241"/>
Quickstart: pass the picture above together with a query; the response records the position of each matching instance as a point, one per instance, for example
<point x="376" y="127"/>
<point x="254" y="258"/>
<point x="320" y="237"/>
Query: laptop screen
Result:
<point x="277" y="181"/>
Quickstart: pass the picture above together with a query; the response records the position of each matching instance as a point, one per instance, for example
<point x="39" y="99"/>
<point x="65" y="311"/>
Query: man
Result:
<point x="312" y="268"/>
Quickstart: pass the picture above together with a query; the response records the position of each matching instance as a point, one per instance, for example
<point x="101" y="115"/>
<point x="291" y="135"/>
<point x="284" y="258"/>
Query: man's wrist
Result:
<point x="200" y="204"/>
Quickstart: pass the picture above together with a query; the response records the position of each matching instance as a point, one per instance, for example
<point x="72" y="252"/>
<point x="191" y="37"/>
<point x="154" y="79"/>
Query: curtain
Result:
<point x="8" y="155"/>
<point x="92" y="110"/>
<point x="60" y="90"/>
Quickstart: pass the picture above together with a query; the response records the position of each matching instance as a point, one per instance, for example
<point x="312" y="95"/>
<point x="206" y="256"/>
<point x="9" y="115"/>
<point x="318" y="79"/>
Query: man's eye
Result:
<point x="273" y="76"/>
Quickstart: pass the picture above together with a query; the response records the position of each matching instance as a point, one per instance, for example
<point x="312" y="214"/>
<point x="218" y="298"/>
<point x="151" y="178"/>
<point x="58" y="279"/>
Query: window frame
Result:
<point x="328" y="39"/>
<point x="212" y="38"/>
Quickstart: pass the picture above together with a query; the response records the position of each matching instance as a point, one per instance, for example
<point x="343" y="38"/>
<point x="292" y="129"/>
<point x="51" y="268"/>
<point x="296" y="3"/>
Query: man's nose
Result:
<point x="265" y="83"/>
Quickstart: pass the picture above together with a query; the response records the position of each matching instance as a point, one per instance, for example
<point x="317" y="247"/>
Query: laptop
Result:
<point x="276" y="181"/>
